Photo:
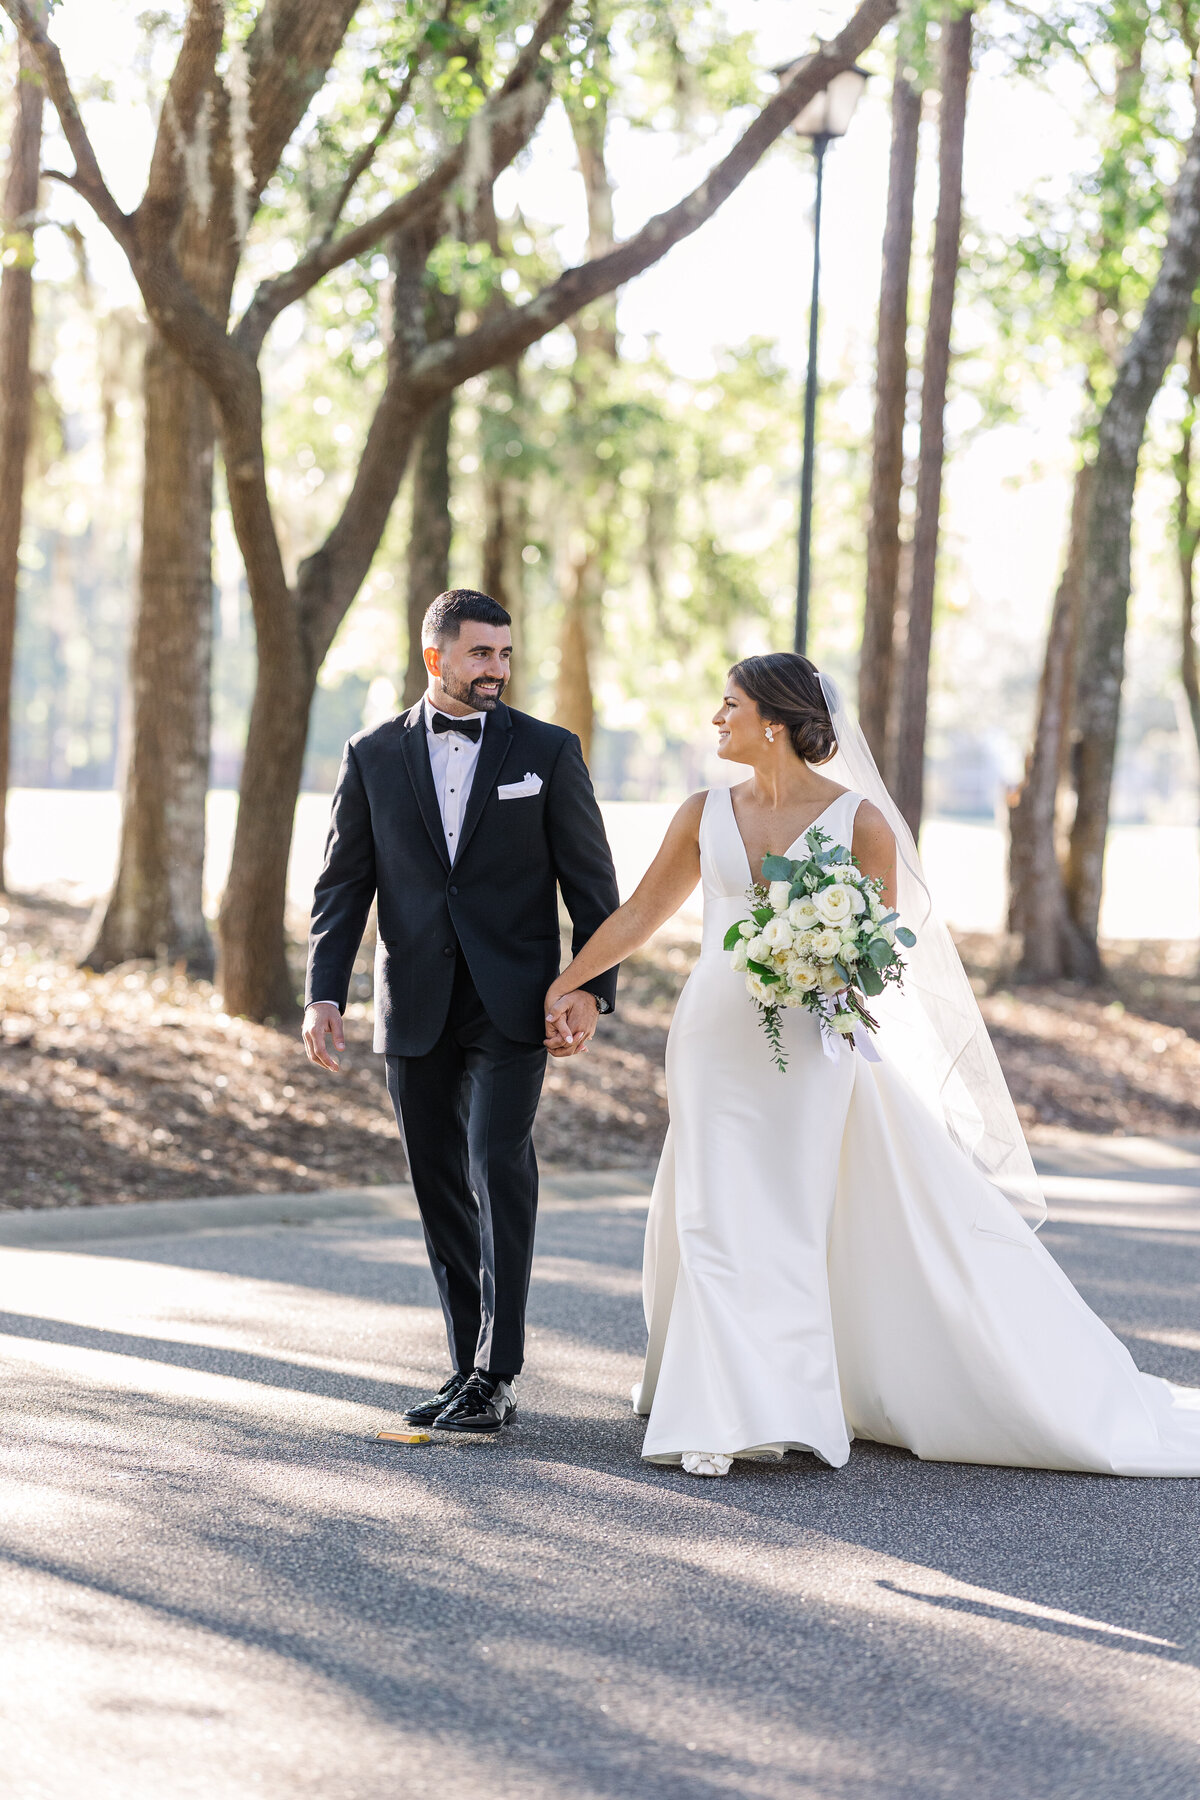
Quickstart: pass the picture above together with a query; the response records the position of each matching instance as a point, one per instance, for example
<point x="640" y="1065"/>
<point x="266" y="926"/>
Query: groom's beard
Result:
<point x="483" y="694"/>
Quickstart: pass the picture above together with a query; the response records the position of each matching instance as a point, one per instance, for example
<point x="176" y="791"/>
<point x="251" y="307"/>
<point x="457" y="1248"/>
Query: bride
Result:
<point x="846" y="1250"/>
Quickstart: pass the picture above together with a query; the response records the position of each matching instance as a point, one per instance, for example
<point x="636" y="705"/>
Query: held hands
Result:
<point x="570" y="1021"/>
<point x="321" y="1017"/>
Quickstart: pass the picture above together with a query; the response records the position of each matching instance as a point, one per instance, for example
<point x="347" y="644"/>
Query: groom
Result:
<point x="463" y="816"/>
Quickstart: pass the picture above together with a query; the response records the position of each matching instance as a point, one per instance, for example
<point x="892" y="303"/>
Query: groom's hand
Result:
<point x="321" y="1017"/>
<point x="571" y="1023"/>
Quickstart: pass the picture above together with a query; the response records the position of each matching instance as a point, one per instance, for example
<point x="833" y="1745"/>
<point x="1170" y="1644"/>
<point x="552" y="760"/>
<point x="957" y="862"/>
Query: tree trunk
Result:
<point x="574" y="706"/>
<point x="1037" y="903"/>
<point x="505" y="526"/>
<point x="256" y="980"/>
<point x="595" y="358"/>
<point x="1106" y="572"/>
<point x="429" y="317"/>
<point x="429" y="536"/>
<point x="16" y="375"/>
<point x="909" y="772"/>
<point x="1188" y="540"/>
<point x="156" y="908"/>
<point x="891" y="391"/>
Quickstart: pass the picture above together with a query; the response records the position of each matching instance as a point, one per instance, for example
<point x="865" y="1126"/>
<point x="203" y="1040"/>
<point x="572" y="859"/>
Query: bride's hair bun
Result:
<point x="785" y="688"/>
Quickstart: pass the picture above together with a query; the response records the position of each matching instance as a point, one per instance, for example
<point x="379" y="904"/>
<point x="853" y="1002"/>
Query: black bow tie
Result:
<point x="471" y="728"/>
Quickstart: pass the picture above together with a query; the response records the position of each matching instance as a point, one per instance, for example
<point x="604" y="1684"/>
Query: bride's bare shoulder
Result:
<point x="687" y="820"/>
<point x="871" y="830"/>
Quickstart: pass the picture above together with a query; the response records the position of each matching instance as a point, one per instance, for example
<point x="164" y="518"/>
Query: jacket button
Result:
<point x="449" y="950"/>
<point x="454" y="890"/>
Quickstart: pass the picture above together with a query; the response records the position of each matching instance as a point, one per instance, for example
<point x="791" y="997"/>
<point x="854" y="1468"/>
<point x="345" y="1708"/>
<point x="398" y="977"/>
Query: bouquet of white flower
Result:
<point x="819" y="935"/>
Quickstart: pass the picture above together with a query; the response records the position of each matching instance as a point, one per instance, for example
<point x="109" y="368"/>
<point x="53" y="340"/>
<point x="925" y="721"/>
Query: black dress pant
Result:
<point x="465" y="1112"/>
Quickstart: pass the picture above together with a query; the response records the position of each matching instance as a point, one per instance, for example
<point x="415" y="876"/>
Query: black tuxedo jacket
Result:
<point x="498" y="901"/>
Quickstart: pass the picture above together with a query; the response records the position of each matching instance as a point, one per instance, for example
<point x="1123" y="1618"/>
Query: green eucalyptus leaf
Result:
<point x="776" y="868"/>
<point x="871" y="980"/>
<point x="906" y="937"/>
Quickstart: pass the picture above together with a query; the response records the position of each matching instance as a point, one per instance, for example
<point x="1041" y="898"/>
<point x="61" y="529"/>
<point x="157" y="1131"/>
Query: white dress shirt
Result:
<point x="452" y="757"/>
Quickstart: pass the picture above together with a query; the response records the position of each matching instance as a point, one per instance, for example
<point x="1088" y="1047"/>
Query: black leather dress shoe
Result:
<point x="482" y="1406"/>
<point x="426" y="1411"/>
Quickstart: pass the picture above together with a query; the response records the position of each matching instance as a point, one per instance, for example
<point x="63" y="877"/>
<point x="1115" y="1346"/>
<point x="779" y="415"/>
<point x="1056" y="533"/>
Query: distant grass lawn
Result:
<point x="63" y="842"/>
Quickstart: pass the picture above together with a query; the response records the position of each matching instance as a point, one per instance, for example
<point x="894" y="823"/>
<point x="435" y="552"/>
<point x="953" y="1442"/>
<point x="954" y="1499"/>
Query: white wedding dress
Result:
<point x="824" y="1263"/>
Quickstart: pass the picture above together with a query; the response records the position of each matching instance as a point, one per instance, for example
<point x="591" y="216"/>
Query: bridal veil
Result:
<point x="935" y="1029"/>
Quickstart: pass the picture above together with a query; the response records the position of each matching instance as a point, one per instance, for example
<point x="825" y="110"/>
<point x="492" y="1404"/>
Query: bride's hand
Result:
<point x="557" y="1037"/>
<point x="571" y="1015"/>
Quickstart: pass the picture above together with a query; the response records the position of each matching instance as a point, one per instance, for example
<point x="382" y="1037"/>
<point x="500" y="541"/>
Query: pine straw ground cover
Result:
<point x="135" y="1085"/>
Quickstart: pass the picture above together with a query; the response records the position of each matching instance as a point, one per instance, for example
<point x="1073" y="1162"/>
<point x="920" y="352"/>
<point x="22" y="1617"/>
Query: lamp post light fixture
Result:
<point x="825" y="117"/>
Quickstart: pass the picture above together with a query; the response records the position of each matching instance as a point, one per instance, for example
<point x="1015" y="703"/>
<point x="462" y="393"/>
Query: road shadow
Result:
<point x="810" y="1612"/>
<point x="535" y="1582"/>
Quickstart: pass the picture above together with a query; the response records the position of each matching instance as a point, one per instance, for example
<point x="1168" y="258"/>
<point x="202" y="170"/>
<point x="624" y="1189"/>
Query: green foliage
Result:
<point x="686" y="483"/>
<point x="776" y="868"/>
<point x="1066" y="291"/>
<point x="765" y="973"/>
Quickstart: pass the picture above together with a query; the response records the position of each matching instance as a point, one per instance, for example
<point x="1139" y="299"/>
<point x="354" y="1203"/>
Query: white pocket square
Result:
<point x="520" y="790"/>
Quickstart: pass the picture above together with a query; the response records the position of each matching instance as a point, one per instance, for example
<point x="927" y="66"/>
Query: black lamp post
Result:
<point x="826" y="116"/>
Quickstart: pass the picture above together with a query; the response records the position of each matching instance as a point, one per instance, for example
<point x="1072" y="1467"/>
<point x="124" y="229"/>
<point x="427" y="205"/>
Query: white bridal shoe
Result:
<point x="706" y="1462"/>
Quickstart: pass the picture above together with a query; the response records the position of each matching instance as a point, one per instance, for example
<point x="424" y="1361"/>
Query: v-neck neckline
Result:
<point x="796" y="840"/>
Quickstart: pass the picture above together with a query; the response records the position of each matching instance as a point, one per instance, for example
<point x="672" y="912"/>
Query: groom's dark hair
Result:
<point x="457" y="607"/>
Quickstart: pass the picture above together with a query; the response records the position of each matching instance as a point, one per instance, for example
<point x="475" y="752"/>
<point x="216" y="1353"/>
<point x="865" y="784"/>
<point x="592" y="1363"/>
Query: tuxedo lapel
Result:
<point x="416" y="757"/>
<point x="497" y="736"/>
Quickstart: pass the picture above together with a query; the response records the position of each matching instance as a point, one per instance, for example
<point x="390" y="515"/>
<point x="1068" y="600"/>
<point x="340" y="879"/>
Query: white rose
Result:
<point x="757" y="949"/>
<point x="849" y="951"/>
<point x="831" y="981"/>
<point x="825" y="945"/>
<point x="858" y="902"/>
<point x="834" y="904"/>
<point x="778" y="893"/>
<point x="740" y="955"/>
<point x="777" y="934"/>
<point x="760" y="990"/>
<point x="887" y="933"/>
<point x="844" y="1022"/>
<point x="792" y="998"/>
<point x="801" y="914"/>
<point x="803" y="976"/>
<point x="748" y="928"/>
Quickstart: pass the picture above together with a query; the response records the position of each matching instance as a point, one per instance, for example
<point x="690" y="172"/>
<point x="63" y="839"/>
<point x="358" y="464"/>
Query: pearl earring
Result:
<point x="770" y="735"/>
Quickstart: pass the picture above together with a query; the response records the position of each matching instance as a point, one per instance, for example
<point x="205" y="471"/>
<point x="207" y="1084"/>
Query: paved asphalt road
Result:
<point x="214" y="1583"/>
